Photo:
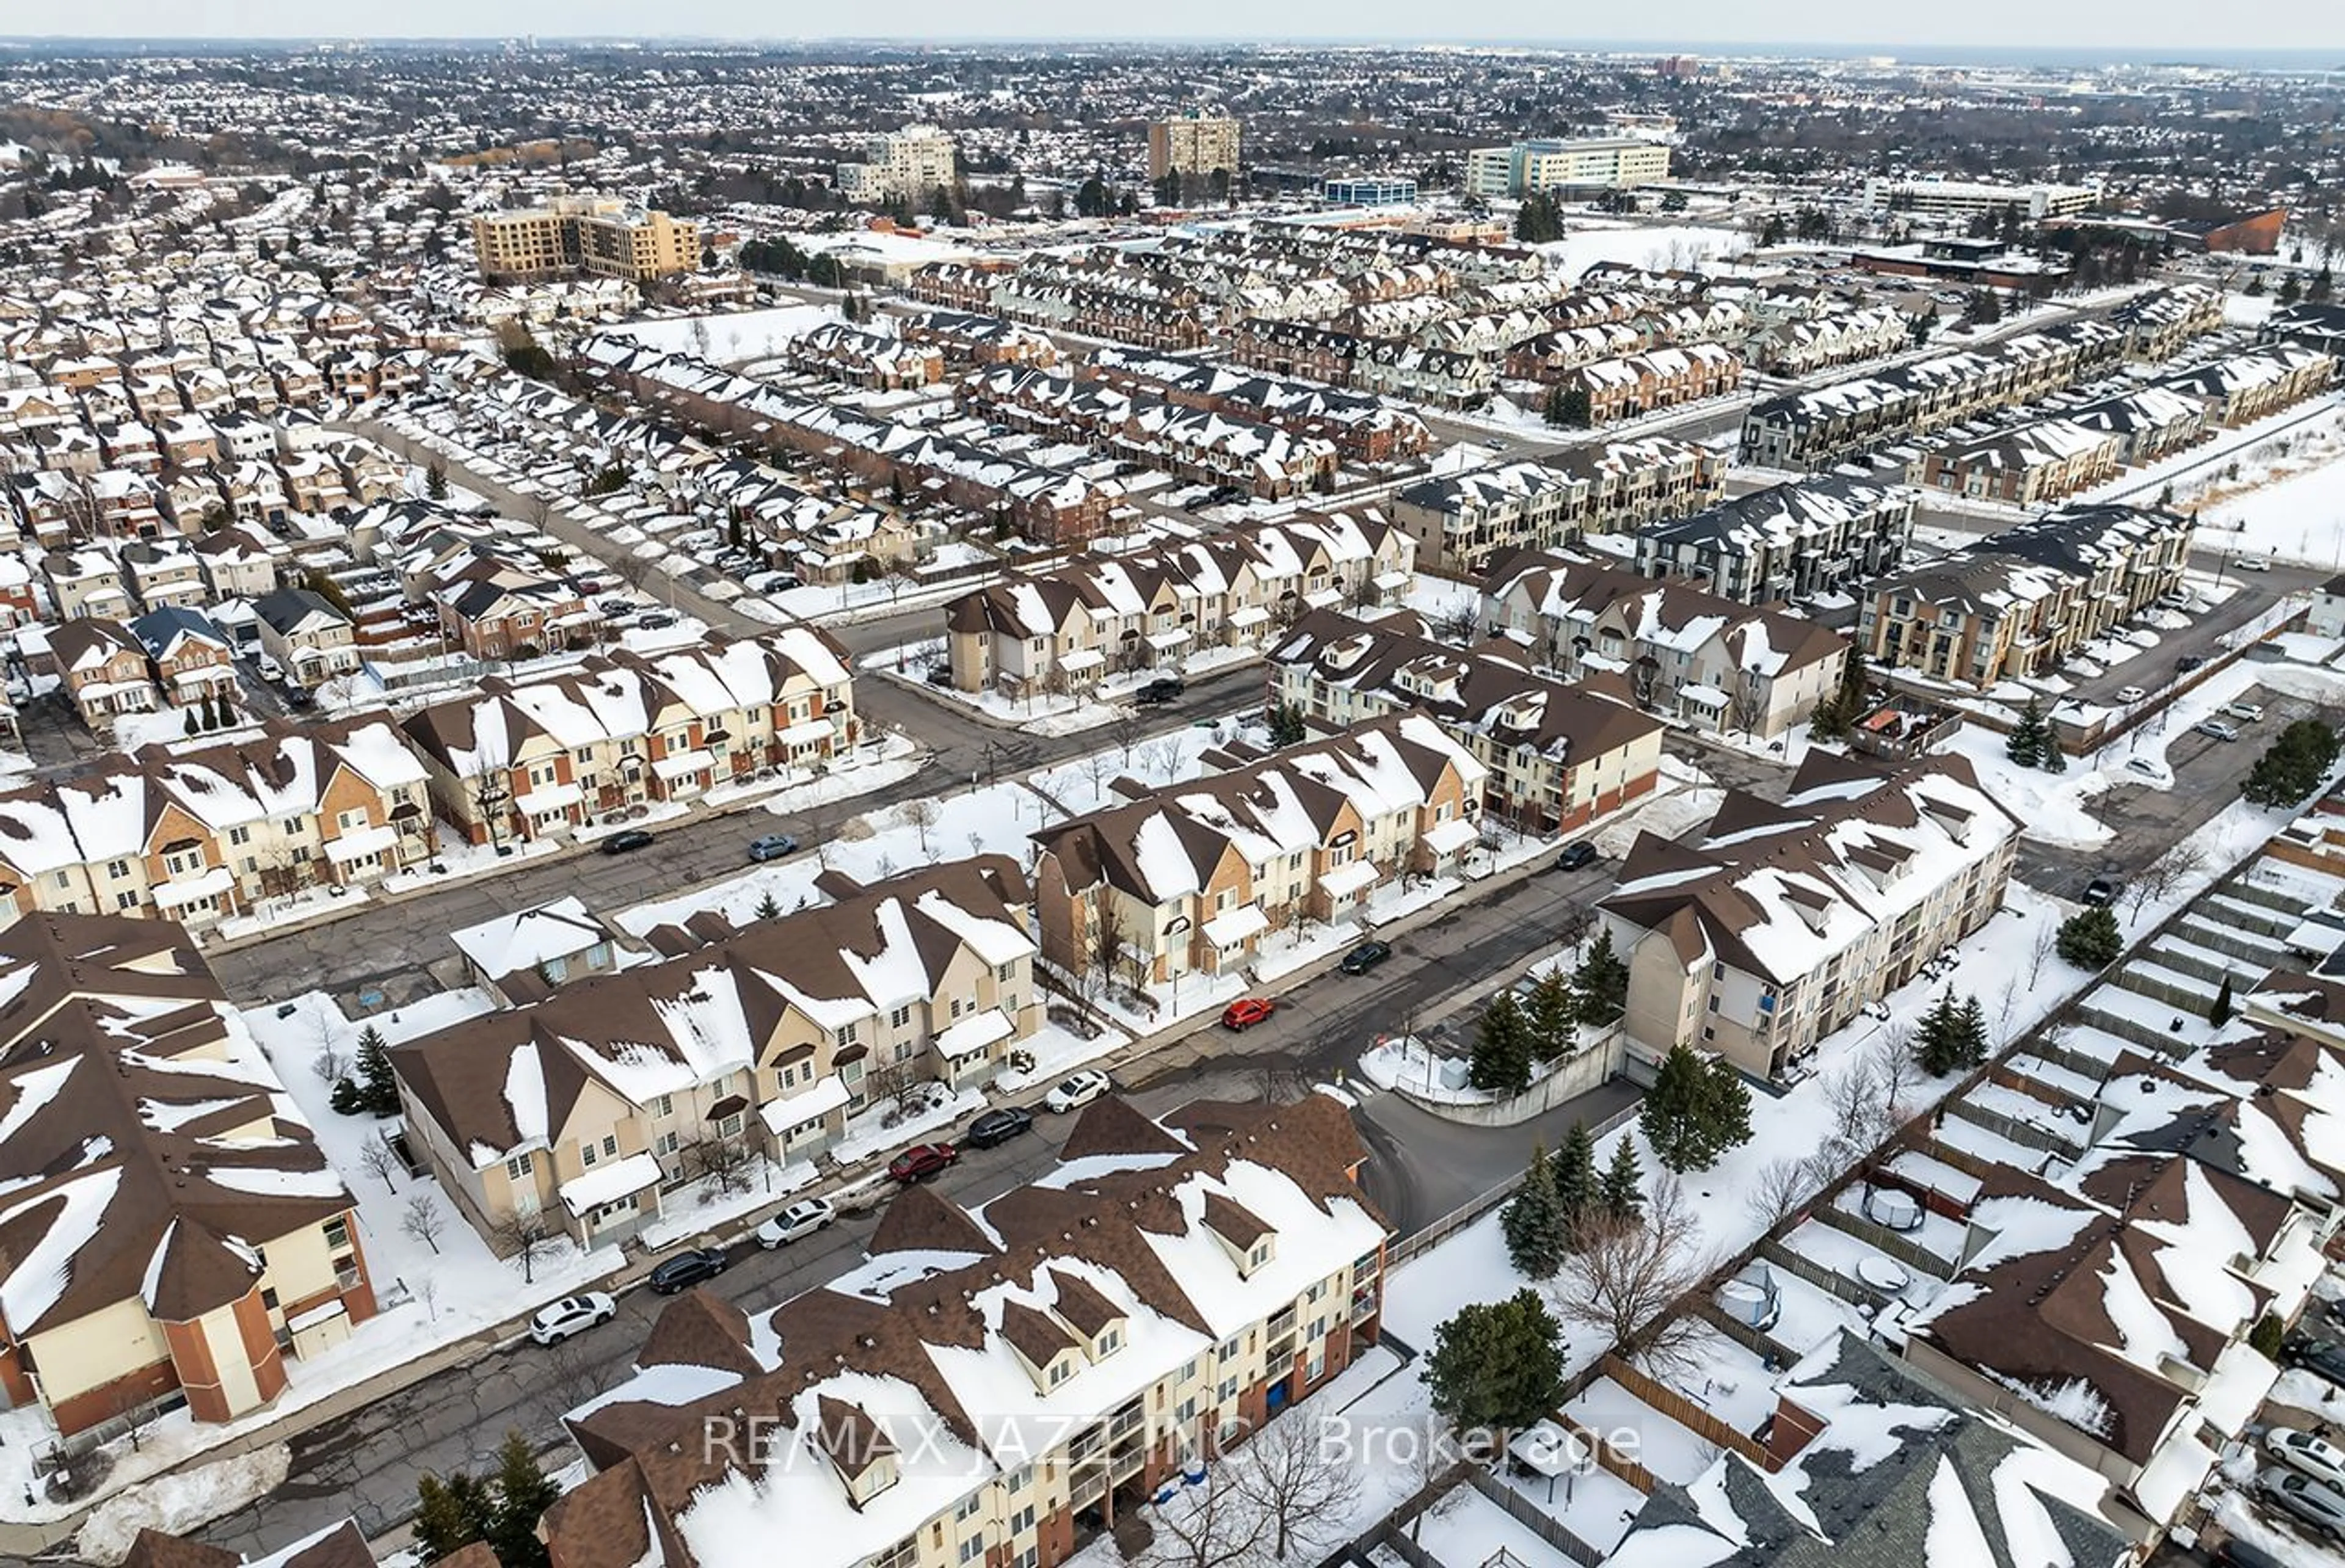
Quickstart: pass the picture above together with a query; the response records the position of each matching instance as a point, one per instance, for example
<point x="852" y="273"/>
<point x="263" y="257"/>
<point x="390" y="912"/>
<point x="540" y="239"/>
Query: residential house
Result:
<point x="1785" y="542"/>
<point x="595" y="1105"/>
<point x="1188" y="878"/>
<point x="1784" y="919"/>
<point x="523" y="956"/>
<point x="104" y="668"/>
<point x="173" y="1233"/>
<point x="190" y="658"/>
<point x="2040" y="460"/>
<point x="306" y="636"/>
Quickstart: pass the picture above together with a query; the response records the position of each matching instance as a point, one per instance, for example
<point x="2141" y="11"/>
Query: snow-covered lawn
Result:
<point x="1674" y="246"/>
<point x="1466" y="1530"/>
<point x="2286" y="505"/>
<point x="1068" y="714"/>
<point x="730" y="337"/>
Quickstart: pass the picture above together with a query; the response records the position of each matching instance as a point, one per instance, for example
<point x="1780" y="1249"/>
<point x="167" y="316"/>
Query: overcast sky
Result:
<point x="2128" y="27"/>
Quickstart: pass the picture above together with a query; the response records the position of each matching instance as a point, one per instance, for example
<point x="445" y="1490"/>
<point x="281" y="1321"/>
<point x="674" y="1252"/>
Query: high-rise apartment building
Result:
<point x="909" y="165"/>
<point x="1192" y="144"/>
<point x="600" y="235"/>
<point x="1599" y="163"/>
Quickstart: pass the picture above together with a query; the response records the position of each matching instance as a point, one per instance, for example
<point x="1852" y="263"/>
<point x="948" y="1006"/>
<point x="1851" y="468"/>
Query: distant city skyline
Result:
<point x="2015" y="28"/>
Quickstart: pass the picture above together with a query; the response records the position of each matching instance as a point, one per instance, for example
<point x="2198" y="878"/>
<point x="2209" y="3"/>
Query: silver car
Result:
<point x="2320" y="1507"/>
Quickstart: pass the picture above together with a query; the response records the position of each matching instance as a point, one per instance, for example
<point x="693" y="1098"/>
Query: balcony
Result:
<point x="1088" y="1490"/>
<point x="1280" y="1326"/>
<point x="1127" y="1421"/>
<point x="1364" y="1304"/>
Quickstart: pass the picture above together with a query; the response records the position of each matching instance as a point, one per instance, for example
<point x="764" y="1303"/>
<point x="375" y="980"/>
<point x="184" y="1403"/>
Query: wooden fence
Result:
<point x="1533" y="1518"/>
<point x="1675" y="1405"/>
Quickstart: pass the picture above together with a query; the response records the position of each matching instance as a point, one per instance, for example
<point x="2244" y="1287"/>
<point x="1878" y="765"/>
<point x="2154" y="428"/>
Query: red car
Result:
<point x="1246" y="1012"/>
<point x="921" y="1161"/>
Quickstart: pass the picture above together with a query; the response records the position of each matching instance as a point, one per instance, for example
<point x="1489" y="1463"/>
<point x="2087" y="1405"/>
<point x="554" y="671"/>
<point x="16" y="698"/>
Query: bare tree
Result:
<point x="1205" y="1527"/>
<point x="524" y="1239"/>
<point x="1304" y="1487"/>
<point x="1107" y="937"/>
<point x="380" y="1160"/>
<point x="423" y="1221"/>
<point x="923" y="814"/>
<point x="1628" y="1278"/>
<point x="2170" y="873"/>
<point x="725" y="1161"/>
<point x="1161" y="758"/>
<point x="1780" y="1190"/>
<point x="2040" y="951"/>
<point x="427" y="1291"/>
<point x="567" y="1377"/>
<point x="331" y="1065"/>
<point x="1125" y="730"/>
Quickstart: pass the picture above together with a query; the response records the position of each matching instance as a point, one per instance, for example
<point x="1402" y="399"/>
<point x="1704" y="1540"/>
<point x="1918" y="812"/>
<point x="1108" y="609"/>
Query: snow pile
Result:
<point x="181" y="1502"/>
<point x="2075" y="1401"/>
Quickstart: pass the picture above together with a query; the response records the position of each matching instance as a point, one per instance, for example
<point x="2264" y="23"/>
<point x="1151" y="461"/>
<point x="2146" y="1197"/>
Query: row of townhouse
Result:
<point x="1638" y="384"/>
<point x="1555" y="755"/>
<point x="1815" y="428"/>
<point x="525" y="759"/>
<point x="972" y="337"/>
<point x="1784" y="919"/>
<point x="1387" y="365"/>
<point x="57" y="506"/>
<point x="868" y="357"/>
<point x="1803" y="346"/>
<point x="2042" y="459"/>
<point x="1063" y="630"/>
<point x="1462" y="521"/>
<point x="200" y="832"/>
<point x="1004" y="1387"/>
<point x="1188" y="878"/>
<point x="2150" y="423"/>
<point x="174" y="1236"/>
<point x="2016" y="604"/>
<point x="2240" y="388"/>
<point x="1052" y="505"/>
<point x="1222" y="449"/>
<point x="1785" y="542"/>
<point x="595" y="1105"/>
<point x="2160" y="323"/>
<point x="1682" y="651"/>
<point x="1362" y="428"/>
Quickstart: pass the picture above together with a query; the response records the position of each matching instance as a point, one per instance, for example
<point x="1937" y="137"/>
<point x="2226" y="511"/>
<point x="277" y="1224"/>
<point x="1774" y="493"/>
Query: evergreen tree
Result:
<point x="1830" y="720"/>
<point x="2220" y="1013"/>
<point x="1697" y="1109"/>
<point x="1937" y="1042"/>
<point x="378" y="1090"/>
<point x="2055" y="760"/>
<point x="1622" y="1195"/>
<point x="1553" y="1008"/>
<point x="767" y="908"/>
<point x="523" y="1492"/>
<point x="1601" y="985"/>
<point x="2293" y="766"/>
<point x="1501" y="1061"/>
<point x="2026" y="744"/>
<point x="1496" y="1363"/>
<point x="1970" y="1032"/>
<point x="2090" y="938"/>
<point x="450" y="1514"/>
<point x="1577" y="411"/>
<point x="347" y="1098"/>
<point x="187" y="725"/>
<point x="1533" y="1223"/>
<point x="435" y="481"/>
<point x="1578" y="1187"/>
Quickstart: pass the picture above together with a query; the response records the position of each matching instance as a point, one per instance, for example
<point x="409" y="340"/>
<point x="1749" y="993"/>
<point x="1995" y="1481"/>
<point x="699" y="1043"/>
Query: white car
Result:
<point x="804" y="1218"/>
<point x="2324" y="1462"/>
<point x="2130" y="695"/>
<point x="2250" y="711"/>
<point x="2252" y="564"/>
<point x="1079" y="1090"/>
<point x="571" y="1315"/>
<point x="2151" y="768"/>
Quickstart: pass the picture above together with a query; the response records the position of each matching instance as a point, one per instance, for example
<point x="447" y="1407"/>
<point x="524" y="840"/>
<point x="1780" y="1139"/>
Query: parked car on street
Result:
<point x="2252" y="564"/>
<point x="2217" y="729"/>
<point x="621" y="842"/>
<point x="2324" y="1359"/>
<point x="2129" y="695"/>
<point x="999" y="1126"/>
<point x="687" y="1269"/>
<point x="2316" y="1458"/>
<point x="2321" y="1507"/>
<point x="1575" y="855"/>
<point x="804" y="1218"/>
<point x="1162" y="690"/>
<point x="921" y="1161"/>
<point x="2101" y="892"/>
<point x="571" y="1315"/>
<point x="1075" y="1091"/>
<point x="772" y="846"/>
<point x="2247" y="712"/>
<point x="2151" y="768"/>
<point x="1365" y="958"/>
<point x="1246" y="1012"/>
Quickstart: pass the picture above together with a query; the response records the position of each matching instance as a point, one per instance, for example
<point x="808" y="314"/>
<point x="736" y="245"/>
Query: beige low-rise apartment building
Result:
<point x="171" y="1234"/>
<point x="908" y="166"/>
<point x="597" y="235"/>
<point x="1062" y="630"/>
<point x="1188" y="878"/>
<point x="586" y="1112"/>
<point x="2017" y="603"/>
<point x="1463" y="521"/>
<point x="1785" y="919"/>
<point x="1192" y="144"/>
<point x="523" y="760"/>
<point x="1681" y="651"/>
<point x="999" y="1388"/>
<point x="198" y="833"/>
<point x="1557" y="754"/>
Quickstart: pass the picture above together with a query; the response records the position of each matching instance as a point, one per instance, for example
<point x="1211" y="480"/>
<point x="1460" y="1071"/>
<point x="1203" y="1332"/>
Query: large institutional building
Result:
<point x="598" y="235"/>
<point x="1192" y="144"/>
<point x="1596" y="163"/>
<point x="909" y="165"/>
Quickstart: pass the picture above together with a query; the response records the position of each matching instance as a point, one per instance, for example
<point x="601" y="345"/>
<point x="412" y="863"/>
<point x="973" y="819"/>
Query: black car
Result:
<point x="687" y="1269"/>
<point x="2237" y="1554"/>
<point x="1575" y="855"/>
<point x="2324" y="1359"/>
<point x="621" y="842"/>
<point x="2100" y="891"/>
<point x="1365" y="958"/>
<point x="999" y="1126"/>
<point x="1164" y="689"/>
